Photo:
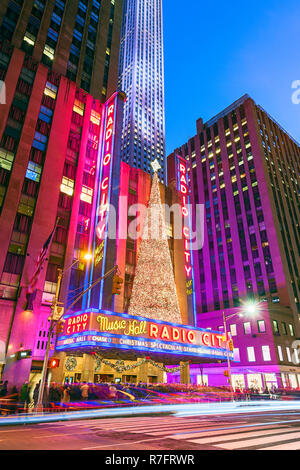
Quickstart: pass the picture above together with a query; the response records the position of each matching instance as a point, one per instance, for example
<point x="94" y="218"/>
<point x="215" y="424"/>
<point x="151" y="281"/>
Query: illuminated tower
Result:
<point x="141" y="77"/>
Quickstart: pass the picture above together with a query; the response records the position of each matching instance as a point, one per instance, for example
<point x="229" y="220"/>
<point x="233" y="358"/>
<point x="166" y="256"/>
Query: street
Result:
<point x="265" y="430"/>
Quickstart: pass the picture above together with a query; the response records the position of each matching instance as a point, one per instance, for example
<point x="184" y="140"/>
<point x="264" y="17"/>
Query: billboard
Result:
<point x="92" y="329"/>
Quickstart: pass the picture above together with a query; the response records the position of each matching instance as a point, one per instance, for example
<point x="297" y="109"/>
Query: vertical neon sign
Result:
<point x="104" y="183"/>
<point x="183" y="188"/>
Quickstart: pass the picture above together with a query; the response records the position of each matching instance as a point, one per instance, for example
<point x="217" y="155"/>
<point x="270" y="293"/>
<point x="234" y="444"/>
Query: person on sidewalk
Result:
<point x="84" y="391"/>
<point x="24" y="396"/>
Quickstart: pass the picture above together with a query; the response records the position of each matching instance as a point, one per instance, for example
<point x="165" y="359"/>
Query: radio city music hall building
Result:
<point x="244" y="170"/>
<point x="53" y="167"/>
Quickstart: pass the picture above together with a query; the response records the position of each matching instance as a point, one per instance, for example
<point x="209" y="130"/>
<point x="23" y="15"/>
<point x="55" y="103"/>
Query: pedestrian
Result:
<point x="66" y="395"/>
<point x="14" y="398"/>
<point x="3" y="390"/>
<point x="84" y="391"/>
<point x="55" y="395"/>
<point x="24" y="395"/>
<point x="112" y="392"/>
<point x="36" y="395"/>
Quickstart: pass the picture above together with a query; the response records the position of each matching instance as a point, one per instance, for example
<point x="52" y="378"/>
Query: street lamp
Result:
<point x="251" y="309"/>
<point x="53" y="319"/>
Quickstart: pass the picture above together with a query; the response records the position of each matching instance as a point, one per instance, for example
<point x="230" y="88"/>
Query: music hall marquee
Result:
<point x="131" y="337"/>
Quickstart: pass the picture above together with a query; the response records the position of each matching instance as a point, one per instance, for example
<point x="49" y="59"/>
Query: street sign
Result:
<point x="57" y="313"/>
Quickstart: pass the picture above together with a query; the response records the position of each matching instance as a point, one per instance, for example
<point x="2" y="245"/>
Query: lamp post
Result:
<point x="53" y="320"/>
<point x="227" y="349"/>
<point x="251" y="309"/>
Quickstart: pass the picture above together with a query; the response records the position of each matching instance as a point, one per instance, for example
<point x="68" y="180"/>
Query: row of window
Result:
<point x="261" y="328"/>
<point x="252" y="354"/>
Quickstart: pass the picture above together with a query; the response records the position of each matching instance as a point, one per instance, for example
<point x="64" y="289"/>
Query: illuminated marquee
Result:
<point x="121" y="331"/>
<point x="107" y="158"/>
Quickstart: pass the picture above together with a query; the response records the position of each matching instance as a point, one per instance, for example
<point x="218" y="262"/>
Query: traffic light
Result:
<point x="53" y="363"/>
<point x="60" y="326"/>
<point x="231" y="347"/>
<point x="117" y="285"/>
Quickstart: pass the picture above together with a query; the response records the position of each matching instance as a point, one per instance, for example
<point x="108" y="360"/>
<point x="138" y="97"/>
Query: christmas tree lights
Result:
<point x="154" y="291"/>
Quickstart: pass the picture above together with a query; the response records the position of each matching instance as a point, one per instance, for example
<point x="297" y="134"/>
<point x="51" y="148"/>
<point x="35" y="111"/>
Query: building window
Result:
<point x="295" y="356"/>
<point x="280" y="355"/>
<point x="291" y="330"/>
<point x="261" y="326"/>
<point x="233" y="330"/>
<point x="284" y="328"/>
<point x="266" y="353"/>
<point x="288" y="352"/>
<point x="247" y="328"/>
<point x="67" y="186"/>
<point x="251" y="354"/>
<point x="236" y="355"/>
<point x="34" y="171"/>
<point x="276" y="327"/>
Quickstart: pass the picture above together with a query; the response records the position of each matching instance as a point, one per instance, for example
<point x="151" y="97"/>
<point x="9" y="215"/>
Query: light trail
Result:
<point x="200" y="409"/>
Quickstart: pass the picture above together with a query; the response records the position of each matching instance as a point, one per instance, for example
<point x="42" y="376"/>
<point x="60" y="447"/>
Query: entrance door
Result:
<point x="255" y="381"/>
<point x="238" y="381"/>
<point x="152" y="379"/>
<point x="103" y="378"/>
<point x="129" y="379"/>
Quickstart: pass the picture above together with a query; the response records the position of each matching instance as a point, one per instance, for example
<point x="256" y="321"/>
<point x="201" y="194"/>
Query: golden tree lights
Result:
<point x="154" y="291"/>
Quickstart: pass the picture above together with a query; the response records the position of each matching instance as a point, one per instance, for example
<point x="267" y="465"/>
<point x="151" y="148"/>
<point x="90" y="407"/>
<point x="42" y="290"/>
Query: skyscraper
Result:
<point x="244" y="168"/>
<point x="59" y="62"/>
<point x="141" y="77"/>
<point x="77" y="38"/>
<point x="244" y="171"/>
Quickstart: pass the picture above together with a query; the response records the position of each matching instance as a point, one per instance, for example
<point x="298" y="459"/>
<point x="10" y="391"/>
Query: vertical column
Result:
<point x="185" y="373"/>
<point x="143" y="372"/>
<point x="88" y="368"/>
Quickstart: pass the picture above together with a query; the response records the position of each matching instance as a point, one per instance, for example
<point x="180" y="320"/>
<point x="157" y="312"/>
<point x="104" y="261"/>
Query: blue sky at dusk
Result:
<point x="216" y="51"/>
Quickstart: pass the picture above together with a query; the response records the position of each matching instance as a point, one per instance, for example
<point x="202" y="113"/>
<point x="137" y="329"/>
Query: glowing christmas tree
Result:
<point x="154" y="291"/>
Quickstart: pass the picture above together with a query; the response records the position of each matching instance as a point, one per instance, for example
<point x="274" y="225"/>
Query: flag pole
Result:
<point x="39" y="406"/>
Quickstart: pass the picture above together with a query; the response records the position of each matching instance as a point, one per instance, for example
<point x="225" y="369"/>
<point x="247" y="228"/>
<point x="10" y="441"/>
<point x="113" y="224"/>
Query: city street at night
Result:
<point x="187" y="428"/>
<point x="149" y="230"/>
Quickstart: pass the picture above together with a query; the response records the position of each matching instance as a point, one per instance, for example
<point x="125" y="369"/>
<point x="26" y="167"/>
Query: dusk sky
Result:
<point x="217" y="51"/>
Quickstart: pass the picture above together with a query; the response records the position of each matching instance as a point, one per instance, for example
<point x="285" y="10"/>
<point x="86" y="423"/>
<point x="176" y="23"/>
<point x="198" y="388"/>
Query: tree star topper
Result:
<point x="155" y="166"/>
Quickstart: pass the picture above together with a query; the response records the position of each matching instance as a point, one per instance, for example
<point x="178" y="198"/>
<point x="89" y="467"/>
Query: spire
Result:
<point x="154" y="290"/>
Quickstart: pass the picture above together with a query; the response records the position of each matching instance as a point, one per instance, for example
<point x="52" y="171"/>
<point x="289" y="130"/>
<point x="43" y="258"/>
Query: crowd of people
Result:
<point x="26" y="398"/>
<point x="58" y="396"/>
<point x="55" y="395"/>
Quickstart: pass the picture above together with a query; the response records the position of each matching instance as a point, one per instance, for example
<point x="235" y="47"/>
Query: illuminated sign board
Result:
<point x="105" y="181"/>
<point x="107" y="160"/>
<point x="101" y="329"/>
<point x="183" y="188"/>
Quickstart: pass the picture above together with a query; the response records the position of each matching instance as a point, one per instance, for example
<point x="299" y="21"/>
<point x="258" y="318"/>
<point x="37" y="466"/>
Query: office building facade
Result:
<point x="50" y="144"/>
<point x="76" y="38"/>
<point x="244" y="171"/>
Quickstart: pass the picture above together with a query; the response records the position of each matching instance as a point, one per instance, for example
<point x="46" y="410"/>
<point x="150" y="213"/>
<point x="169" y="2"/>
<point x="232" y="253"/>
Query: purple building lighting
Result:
<point x="244" y="170"/>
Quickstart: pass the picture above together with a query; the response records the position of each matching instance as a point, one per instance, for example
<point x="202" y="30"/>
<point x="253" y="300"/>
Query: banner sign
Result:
<point x="94" y="329"/>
